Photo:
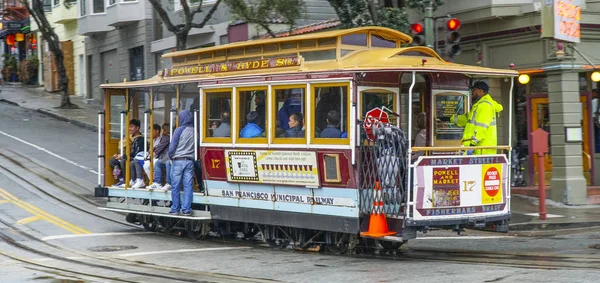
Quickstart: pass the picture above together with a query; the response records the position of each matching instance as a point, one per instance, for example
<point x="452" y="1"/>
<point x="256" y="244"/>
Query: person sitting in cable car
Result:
<point x="251" y="130"/>
<point x="295" y="126"/>
<point x="118" y="162"/>
<point x="333" y="122"/>
<point x="224" y="130"/>
<point x="291" y="105"/>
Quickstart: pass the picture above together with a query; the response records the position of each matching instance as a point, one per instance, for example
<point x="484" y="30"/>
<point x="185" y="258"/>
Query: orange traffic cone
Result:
<point x="377" y="222"/>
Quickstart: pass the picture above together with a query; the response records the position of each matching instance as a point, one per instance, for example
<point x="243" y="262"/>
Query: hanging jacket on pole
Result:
<point x="480" y="125"/>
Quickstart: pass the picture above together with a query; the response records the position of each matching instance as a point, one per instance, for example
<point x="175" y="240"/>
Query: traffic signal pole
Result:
<point x="429" y="28"/>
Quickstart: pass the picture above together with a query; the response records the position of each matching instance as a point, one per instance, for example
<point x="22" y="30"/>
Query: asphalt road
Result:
<point x="51" y="230"/>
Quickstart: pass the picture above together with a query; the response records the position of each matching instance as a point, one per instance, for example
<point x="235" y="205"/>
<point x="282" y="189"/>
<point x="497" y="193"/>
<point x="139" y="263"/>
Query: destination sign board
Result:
<point x="234" y="66"/>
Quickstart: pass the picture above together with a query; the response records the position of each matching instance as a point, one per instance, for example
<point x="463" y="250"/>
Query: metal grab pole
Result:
<point x="100" y="155"/>
<point x="146" y="133"/>
<point x="171" y="124"/>
<point x="121" y="133"/>
<point x="409" y="150"/>
<point x="195" y="134"/>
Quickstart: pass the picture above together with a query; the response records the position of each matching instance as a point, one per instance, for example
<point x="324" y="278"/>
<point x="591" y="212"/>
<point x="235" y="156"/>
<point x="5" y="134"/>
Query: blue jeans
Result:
<point x="158" y="171"/>
<point x="182" y="173"/>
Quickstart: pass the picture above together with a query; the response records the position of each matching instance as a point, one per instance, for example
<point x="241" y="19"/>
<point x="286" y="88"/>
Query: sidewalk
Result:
<point x="524" y="208"/>
<point x="41" y="101"/>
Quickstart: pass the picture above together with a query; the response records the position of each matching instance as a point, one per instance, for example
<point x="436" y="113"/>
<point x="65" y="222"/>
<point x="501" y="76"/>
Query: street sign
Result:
<point x="374" y="118"/>
<point x="561" y="18"/>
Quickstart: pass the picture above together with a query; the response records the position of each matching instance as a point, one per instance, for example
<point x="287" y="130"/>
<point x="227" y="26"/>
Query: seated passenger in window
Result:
<point x="421" y="138"/>
<point x="333" y="122"/>
<point x="259" y="100"/>
<point x="251" y="130"/>
<point x="224" y="130"/>
<point x="295" y="124"/>
<point x="291" y="105"/>
<point x="328" y="101"/>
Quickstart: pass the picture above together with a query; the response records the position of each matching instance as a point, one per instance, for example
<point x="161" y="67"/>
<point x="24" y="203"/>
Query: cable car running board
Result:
<point x="155" y="211"/>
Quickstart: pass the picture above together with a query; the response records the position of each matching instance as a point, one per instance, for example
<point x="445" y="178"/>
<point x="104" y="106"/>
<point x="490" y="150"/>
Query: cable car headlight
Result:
<point x="596" y="76"/>
<point x="524" y="79"/>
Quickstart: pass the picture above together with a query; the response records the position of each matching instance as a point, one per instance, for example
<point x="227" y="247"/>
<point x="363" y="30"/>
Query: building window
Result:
<point x="111" y="2"/>
<point x="98" y="6"/>
<point x="56" y="2"/>
<point x="191" y="3"/>
<point x="82" y="7"/>
<point x="218" y="115"/>
<point x="291" y="113"/>
<point x="252" y="114"/>
<point x="331" y="112"/>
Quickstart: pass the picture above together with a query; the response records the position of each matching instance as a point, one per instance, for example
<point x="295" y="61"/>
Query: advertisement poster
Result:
<point x="297" y="168"/>
<point x="455" y="186"/>
<point x="446" y="188"/>
<point x="492" y="184"/>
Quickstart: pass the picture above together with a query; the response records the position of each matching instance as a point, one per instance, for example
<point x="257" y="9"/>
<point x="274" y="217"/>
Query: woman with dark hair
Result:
<point x="295" y="123"/>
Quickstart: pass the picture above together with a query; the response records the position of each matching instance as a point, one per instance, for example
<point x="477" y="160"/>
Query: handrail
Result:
<point x="589" y="160"/>
<point x="456" y="148"/>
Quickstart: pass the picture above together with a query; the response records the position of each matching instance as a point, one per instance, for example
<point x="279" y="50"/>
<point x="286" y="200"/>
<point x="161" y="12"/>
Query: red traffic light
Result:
<point x="416" y="28"/>
<point x="453" y="24"/>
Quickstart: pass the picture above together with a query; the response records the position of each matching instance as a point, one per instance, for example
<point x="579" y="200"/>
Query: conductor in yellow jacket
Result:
<point x="480" y="122"/>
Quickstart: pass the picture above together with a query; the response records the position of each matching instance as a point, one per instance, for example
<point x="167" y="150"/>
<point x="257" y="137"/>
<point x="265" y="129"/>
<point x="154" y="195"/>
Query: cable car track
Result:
<point x="55" y="184"/>
<point x="520" y="260"/>
<point x="148" y="270"/>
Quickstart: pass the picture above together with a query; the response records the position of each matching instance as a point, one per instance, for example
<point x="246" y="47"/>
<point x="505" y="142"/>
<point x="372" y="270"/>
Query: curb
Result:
<point x="9" y="102"/>
<point x="537" y="226"/>
<point x="78" y="123"/>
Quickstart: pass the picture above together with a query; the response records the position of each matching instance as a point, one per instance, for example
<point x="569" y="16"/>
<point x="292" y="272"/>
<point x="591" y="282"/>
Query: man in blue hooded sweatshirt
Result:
<point x="181" y="154"/>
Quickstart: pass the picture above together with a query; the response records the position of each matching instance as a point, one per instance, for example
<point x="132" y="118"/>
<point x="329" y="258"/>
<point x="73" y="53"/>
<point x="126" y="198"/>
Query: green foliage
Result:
<point x="356" y="13"/>
<point x="421" y="4"/>
<point x="10" y="66"/>
<point x="28" y="70"/>
<point x="264" y="12"/>
<point x="394" y="18"/>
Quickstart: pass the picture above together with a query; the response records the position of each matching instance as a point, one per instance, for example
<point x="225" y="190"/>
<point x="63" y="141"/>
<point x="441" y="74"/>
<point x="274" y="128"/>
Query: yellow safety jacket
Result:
<point x="480" y="125"/>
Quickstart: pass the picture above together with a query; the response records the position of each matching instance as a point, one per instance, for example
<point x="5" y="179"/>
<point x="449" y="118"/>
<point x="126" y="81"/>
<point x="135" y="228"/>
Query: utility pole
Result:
<point x="429" y="29"/>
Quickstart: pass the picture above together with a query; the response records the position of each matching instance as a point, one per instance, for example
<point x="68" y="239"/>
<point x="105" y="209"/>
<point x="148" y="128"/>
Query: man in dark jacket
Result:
<point x="117" y="162"/>
<point x="181" y="154"/>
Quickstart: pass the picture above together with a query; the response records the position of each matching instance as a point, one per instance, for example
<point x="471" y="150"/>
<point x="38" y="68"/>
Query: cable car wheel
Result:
<point x="276" y="237"/>
<point x="196" y="229"/>
<point x="339" y="243"/>
<point x="149" y="222"/>
<point x="168" y="223"/>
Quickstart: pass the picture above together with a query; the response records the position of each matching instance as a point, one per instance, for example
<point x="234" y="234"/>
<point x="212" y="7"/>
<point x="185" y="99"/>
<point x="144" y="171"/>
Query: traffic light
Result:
<point x="418" y="34"/>
<point x="453" y="37"/>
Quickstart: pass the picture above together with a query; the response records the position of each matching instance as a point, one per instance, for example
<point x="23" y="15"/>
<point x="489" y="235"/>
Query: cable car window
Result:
<point x="331" y="112"/>
<point x="359" y="39"/>
<point x="378" y="41"/>
<point x="252" y="113"/>
<point x="290" y="112"/>
<point x="218" y="114"/>
<point x="319" y="55"/>
<point x="379" y="99"/>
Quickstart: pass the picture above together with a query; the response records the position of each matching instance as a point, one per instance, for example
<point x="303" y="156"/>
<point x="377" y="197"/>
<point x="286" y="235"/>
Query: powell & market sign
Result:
<point x="234" y="66"/>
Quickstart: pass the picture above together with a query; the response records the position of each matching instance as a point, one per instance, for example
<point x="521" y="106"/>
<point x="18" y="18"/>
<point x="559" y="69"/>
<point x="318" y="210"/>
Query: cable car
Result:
<point x="309" y="140"/>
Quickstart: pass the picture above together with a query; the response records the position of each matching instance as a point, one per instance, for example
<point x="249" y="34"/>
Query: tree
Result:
<point x="36" y="10"/>
<point x="264" y="12"/>
<point x="356" y="13"/>
<point x="181" y="31"/>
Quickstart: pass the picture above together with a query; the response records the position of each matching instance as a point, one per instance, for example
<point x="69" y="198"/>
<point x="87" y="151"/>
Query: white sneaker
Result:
<point x="155" y="186"/>
<point x="167" y="187"/>
<point x="131" y="183"/>
<point x="139" y="184"/>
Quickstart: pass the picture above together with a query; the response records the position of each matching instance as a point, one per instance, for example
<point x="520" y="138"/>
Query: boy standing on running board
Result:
<point x="181" y="155"/>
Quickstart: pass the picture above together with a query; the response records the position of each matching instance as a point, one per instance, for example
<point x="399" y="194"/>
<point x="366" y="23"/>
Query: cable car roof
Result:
<point x="189" y="65"/>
